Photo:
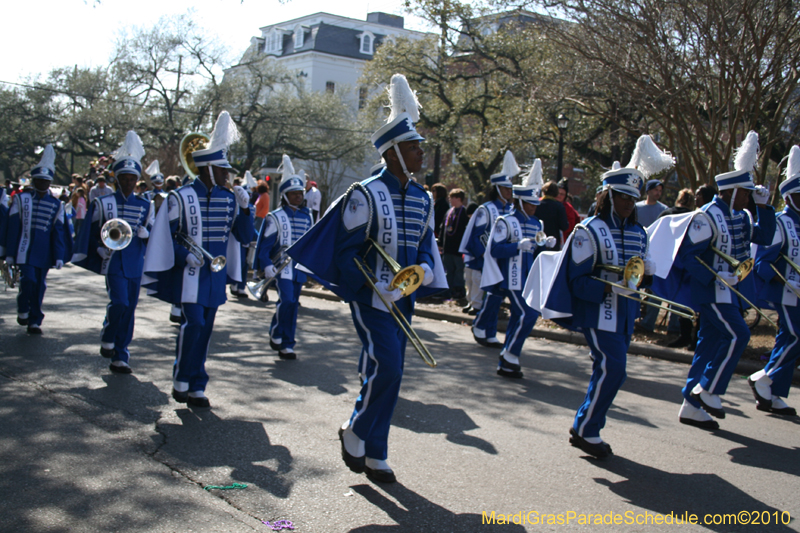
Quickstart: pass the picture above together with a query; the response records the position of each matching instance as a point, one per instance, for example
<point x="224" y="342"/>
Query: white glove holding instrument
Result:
<point x="550" y="242"/>
<point x="242" y="198"/>
<point x="526" y="245"/>
<point x="59" y="264"/>
<point x="428" y="274"/>
<point x="649" y="265"/>
<point x="269" y="271"/>
<point x="729" y="277"/>
<point x="104" y="252"/>
<point x="390" y="295"/>
<point x="192" y="260"/>
<point x="630" y="290"/>
<point x="142" y="232"/>
<point x="761" y="195"/>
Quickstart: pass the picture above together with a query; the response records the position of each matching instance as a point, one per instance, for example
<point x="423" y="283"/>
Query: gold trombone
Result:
<point x="407" y="280"/>
<point x="634" y="271"/>
<point x="794" y="266"/>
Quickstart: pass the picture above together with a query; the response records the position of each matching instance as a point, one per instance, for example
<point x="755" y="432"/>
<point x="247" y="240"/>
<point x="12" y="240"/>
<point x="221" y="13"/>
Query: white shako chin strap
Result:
<point x="402" y="162"/>
<point x="733" y="198"/>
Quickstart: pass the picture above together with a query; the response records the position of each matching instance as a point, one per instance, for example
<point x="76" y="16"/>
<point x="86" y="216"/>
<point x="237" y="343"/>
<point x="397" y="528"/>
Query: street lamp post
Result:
<point x="562" y="122"/>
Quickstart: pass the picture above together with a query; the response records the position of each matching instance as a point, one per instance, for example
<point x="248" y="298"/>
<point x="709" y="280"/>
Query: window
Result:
<point x="299" y="36"/>
<point x="274" y="42"/>
<point x="367" y="42"/>
<point x="362" y="97"/>
<point x="330" y="87"/>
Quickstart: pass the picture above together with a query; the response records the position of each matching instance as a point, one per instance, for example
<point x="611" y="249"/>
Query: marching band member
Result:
<point x="484" y="327"/>
<point x="122" y="267"/>
<point x="239" y="288"/>
<point x="36" y="240"/>
<point x="202" y="215"/>
<point x="723" y="334"/>
<point x="157" y="179"/>
<point x="396" y="212"/>
<point x="771" y="384"/>
<point x="509" y="256"/>
<point x="282" y="227"/>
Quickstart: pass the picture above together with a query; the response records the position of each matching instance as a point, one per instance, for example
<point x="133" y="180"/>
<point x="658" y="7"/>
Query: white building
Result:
<point x="328" y="53"/>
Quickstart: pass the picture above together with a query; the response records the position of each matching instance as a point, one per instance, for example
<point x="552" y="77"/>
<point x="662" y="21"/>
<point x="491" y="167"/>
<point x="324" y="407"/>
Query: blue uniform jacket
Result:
<point x="773" y="288"/>
<point x="48" y="235"/>
<point x="476" y="243"/>
<point x="503" y="251"/>
<point x="269" y="242"/>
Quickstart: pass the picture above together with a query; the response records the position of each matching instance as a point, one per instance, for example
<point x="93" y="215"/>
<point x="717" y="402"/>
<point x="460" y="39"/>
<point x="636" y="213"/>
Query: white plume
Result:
<point x="510" y="167"/>
<point x="132" y="147"/>
<point x="746" y="156"/>
<point x="287" y="168"/>
<point x="616" y="166"/>
<point x="153" y="168"/>
<point x="402" y="99"/>
<point x="793" y="166"/>
<point x="48" y="158"/>
<point x="534" y="178"/>
<point x="648" y="159"/>
<point x="225" y="133"/>
<point x="249" y="181"/>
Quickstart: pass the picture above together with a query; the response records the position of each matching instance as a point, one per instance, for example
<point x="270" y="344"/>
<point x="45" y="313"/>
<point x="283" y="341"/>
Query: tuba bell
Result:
<point x="116" y="234"/>
<point x="190" y="143"/>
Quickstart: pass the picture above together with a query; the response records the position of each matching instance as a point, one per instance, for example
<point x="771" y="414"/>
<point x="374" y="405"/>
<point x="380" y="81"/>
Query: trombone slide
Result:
<point x="784" y="280"/>
<point x="679" y="309"/>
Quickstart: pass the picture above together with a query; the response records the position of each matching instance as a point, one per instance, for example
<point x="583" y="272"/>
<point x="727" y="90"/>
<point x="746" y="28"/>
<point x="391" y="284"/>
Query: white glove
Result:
<point x="269" y="271"/>
<point x="242" y="198"/>
<point x="761" y="195"/>
<point x="550" y="242"/>
<point x="192" y="260"/>
<point x="526" y="245"/>
<point x="794" y="284"/>
<point x="729" y="277"/>
<point x="10" y="261"/>
<point x="59" y="264"/>
<point x="630" y="290"/>
<point x="388" y="294"/>
<point x="142" y="232"/>
<point x="104" y="252"/>
<point x="649" y="265"/>
<point x="428" y="274"/>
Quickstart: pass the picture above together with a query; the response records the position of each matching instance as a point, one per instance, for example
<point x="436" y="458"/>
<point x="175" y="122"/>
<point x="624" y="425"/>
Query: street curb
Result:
<point x="636" y="348"/>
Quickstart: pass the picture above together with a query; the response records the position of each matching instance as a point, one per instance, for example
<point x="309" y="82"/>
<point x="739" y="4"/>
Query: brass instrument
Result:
<point x="10" y="275"/>
<point x="406" y="279"/>
<point x="190" y="143"/>
<point x="794" y="266"/>
<point x="116" y="234"/>
<point x="259" y="288"/>
<point x="634" y="271"/>
<point x="740" y="268"/>
<point x="540" y="238"/>
<point x="217" y="263"/>
<point x="739" y="294"/>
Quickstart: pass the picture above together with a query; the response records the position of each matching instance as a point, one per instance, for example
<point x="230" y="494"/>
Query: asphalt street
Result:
<point x="82" y="449"/>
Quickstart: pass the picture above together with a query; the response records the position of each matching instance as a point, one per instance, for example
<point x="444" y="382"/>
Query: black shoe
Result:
<point x="174" y="319"/>
<point x="484" y="342"/>
<point x="704" y="424"/>
<point x="762" y="404"/>
<point x="473" y="312"/>
<point x="508" y="370"/>
<point x="381" y="476"/>
<point x="34" y="330"/>
<point x="356" y="464"/>
<point x="601" y="451"/>
<point x="180" y="397"/>
<point x="22" y="321"/>
<point x="276" y="347"/>
<point x="784" y="411"/>
<point x="713" y="411"/>
<point x="466" y="309"/>
<point x="287" y="355"/>
<point x="107" y="352"/>
<point x="201" y="403"/>
<point x="120" y="369"/>
<point x="680" y="342"/>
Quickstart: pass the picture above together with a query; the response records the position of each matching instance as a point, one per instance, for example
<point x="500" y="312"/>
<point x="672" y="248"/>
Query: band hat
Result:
<point x="291" y="180"/>
<point x="154" y="171"/>
<point x="225" y="134"/>
<point x="250" y="183"/>
<point x="46" y="169"/>
<point x="531" y="188"/>
<point x="128" y="157"/>
<point x="744" y="163"/>
<point x="509" y="170"/>
<point x="404" y="114"/>
<point x="792" y="172"/>
<point x="647" y="159"/>
<point x="625" y="180"/>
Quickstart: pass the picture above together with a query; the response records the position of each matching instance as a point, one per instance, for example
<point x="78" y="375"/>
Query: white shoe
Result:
<point x="696" y="416"/>
<point x="710" y="402"/>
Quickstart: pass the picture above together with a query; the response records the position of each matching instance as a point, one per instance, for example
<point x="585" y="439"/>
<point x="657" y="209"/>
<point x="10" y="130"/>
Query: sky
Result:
<point x="41" y="35"/>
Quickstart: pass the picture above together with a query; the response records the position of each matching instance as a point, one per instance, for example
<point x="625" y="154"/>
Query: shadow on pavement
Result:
<point x="760" y="454"/>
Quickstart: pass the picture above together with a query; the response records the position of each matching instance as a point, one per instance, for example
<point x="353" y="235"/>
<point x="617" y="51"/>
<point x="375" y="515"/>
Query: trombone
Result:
<point x="792" y="264"/>
<point x="217" y="263"/>
<point x="10" y="275"/>
<point x="407" y="280"/>
<point x="634" y="271"/>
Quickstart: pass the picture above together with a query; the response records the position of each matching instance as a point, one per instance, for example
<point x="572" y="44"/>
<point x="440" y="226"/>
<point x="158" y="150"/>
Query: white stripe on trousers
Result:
<point x="371" y="355"/>
<point x="599" y="382"/>
<point x="788" y="348"/>
<point x="730" y="349"/>
<point x="520" y="321"/>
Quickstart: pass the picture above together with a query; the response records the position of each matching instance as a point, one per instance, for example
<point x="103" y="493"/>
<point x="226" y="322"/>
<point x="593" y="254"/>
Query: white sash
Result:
<point x="108" y="209"/>
<point x="491" y="274"/>
<point x="25" y="214"/>
<point x="789" y="232"/>
<point x="284" y="226"/>
<point x="607" y="255"/>
<point x="724" y="244"/>
<point x="387" y="234"/>
<point x="190" y="215"/>
<point x="492" y="212"/>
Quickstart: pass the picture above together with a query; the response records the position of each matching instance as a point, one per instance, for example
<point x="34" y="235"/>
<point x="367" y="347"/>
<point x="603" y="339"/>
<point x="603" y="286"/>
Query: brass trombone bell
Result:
<point x="632" y="271"/>
<point x="740" y="268"/>
<point x="116" y="234"/>
<point x="406" y="279"/>
<point x="540" y="238"/>
<point x="190" y="143"/>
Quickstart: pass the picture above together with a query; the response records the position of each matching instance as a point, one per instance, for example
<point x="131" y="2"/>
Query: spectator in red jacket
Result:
<point x="573" y="217"/>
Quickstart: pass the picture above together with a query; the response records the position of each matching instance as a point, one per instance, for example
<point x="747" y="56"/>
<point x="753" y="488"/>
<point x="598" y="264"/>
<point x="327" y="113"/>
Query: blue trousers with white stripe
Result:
<point x="721" y="339"/>
<point x="520" y="325"/>
<point x="32" y="284"/>
<point x="197" y="322"/>
<point x="487" y="316"/>
<point x="118" y="324"/>
<point x="787" y="348"/>
<point x="610" y="351"/>
<point x="284" y="321"/>
<point x="381" y="366"/>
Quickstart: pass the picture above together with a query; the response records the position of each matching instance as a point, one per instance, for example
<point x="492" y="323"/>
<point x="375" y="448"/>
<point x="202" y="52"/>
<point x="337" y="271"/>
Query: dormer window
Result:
<point x="273" y="43"/>
<point x="299" y="36"/>
<point x="367" y="42"/>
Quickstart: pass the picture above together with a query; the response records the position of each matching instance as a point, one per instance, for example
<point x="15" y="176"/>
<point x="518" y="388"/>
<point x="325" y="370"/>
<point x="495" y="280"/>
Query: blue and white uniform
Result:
<point x="282" y="228"/>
